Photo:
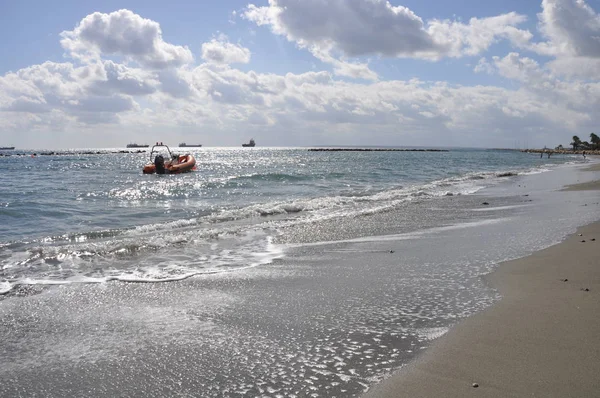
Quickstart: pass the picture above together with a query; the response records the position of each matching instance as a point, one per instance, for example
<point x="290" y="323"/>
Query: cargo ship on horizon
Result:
<point x="250" y="144"/>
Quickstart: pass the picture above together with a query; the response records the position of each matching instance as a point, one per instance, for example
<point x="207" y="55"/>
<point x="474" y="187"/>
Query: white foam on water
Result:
<point x="402" y="236"/>
<point x="224" y="261"/>
<point x="429" y="334"/>
<point x="5" y="287"/>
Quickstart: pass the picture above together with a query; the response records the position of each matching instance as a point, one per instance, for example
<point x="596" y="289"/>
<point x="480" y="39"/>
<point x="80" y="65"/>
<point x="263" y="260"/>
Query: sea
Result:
<point x="266" y="272"/>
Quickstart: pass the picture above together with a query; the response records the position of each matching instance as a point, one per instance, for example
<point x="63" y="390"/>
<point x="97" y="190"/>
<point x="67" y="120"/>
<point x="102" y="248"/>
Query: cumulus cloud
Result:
<point x="344" y="24"/>
<point x="126" y="34"/>
<point x="133" y="83"/>
<point x="93" y="93"/>
<point x="355" y="70"/>
<point x="220" y="51"/>
<point x="223" y="98"/>
<point x="118" y="78"/>
<point x="524" y="69"/>
<point x="483" y="66"/>
<point x="571" y="26"/>
<point x="572" y="30"/>
<point x="358" y="28"/>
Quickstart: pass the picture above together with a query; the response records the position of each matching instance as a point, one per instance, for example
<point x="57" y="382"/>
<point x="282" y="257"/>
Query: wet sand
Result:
<point x="540" y="340"/>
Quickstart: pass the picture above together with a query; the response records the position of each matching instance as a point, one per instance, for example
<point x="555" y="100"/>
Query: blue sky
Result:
<point x="39" y="25"/>
<point x="299" y="72"/>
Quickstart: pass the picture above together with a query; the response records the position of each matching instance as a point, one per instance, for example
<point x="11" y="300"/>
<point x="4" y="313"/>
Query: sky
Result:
<point x="466" y="73"/>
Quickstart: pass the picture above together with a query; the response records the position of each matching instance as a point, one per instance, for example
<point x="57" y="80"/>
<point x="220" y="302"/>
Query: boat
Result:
<point x="176" y="164"/>
<point x="184" y="145"/>
<point x="134" y="145"/>
<point x="251" y="143"/>
<point x="6" y="148"/>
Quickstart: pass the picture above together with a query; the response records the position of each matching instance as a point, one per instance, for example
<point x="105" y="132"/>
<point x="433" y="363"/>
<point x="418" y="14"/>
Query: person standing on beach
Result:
<point x="583" y="155"/>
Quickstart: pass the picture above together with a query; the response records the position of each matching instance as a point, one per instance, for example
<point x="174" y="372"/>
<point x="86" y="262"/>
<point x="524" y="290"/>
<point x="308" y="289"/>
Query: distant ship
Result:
<point x="184" y="145"/>
<point x="6" y="148"/>
<point x="251" y="143"/>
<point x="134" y="145"/>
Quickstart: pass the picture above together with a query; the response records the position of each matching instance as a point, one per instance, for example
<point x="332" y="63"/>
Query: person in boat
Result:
<point x="159" y="164"/>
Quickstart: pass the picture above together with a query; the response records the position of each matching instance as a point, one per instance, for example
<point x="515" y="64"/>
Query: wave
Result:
<point x="217" y="241"/>
<point x="277" y="177"/>
<point x="73" y="265"/>
<point x="346" y="204"/>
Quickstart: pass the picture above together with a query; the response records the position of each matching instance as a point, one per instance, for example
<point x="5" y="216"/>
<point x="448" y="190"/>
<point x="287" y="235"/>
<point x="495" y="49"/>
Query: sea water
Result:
<point x="292" y="273"/>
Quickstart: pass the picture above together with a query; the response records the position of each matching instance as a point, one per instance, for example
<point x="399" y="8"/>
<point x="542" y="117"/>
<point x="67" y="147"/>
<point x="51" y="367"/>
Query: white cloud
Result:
<point x="344" y="25"/>
<point x="91" y="93"/>
<point x="137" y="87"/>
<point x="572" y="30"/>
<point x="354" y="70"/>
<point x="118" y="78"/>
<point x="358" y="28"/>
<point x="221" y="98"/>
<point x="220" y="51"/>
<point x="524" y="69"/>
<point x="483" y="66"/>
<point x="126" y="34"/>
<point x="457" y="39"/>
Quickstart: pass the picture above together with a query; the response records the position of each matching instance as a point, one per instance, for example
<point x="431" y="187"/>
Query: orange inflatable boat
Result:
<point x="174" y="165"/>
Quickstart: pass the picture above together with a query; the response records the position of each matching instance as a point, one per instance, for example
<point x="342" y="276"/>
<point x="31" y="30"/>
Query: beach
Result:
<point x="539" y="340"/>
<point x="273" y="272"/>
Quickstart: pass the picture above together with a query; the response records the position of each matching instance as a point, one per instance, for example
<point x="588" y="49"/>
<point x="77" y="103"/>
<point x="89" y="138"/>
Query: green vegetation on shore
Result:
<point x="594" y="143"/>
<point x="578" y="147"/>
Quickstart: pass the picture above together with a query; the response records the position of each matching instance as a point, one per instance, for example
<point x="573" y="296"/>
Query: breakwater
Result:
<point x="375" y="150"/>
<point x="65" y="153"/>
<point x="563" y="151"/>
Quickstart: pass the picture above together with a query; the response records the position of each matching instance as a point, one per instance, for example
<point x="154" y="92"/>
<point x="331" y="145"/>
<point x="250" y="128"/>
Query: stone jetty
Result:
<point x="65" y="153"/>
<point x="563" y="151"/>
<point x="375" y="150"/>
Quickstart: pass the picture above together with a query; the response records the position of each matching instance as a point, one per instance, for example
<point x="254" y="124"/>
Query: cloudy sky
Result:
<point x="299" y="72"/>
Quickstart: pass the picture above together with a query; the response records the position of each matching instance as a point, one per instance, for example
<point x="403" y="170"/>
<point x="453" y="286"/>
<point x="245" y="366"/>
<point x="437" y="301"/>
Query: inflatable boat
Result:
<point x="175" y="164"/>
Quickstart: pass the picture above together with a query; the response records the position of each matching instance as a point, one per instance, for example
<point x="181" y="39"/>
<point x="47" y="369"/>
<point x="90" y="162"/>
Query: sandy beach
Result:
<point x="540" y="340"/>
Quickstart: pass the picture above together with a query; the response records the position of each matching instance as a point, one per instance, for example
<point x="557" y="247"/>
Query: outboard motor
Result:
<point x="159" y="163"/>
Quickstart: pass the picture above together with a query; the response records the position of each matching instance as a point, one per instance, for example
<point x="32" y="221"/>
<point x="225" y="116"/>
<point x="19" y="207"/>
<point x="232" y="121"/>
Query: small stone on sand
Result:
<point x="485" y="203"/>
<point x="475" y="385"/>
<point x="579" y="234"/>
<point x="583" y="241"/>
<point x="565" y="280"/>
<point x="593" y="239"/>
<point x="585" y="289"/>
<point x="391" y="251"/>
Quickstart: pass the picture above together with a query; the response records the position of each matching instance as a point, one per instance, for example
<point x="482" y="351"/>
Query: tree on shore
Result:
<point x="576" y="142"/>
<point x="595" y="140"/>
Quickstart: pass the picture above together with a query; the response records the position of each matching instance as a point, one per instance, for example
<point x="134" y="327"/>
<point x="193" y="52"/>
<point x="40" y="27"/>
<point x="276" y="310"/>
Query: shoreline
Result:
<point x="331" y="318"/>
<point x="540" y="339"/>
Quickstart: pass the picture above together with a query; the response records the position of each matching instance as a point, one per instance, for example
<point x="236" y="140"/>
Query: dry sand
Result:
<point x="541" y="340"/>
